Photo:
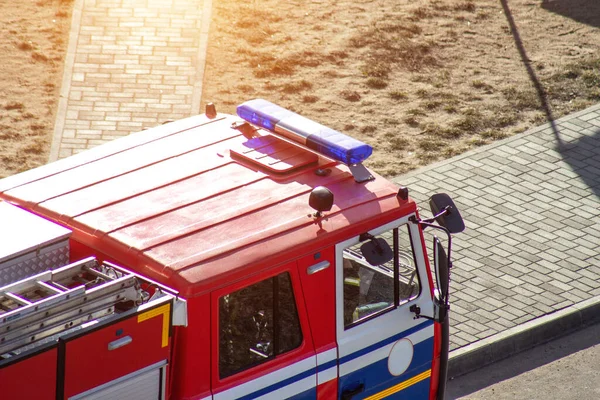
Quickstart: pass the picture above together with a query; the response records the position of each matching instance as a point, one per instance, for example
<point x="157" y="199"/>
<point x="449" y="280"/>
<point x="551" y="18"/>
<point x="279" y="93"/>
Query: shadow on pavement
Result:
<point x="583" y="155"/>
<point x="584" y="11"/>
<point x="527" y="361"/>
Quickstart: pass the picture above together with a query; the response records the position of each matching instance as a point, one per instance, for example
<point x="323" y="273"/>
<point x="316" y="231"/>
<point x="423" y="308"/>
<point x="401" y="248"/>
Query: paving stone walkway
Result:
<point x="130" y="65"/>
<point x="532" y="210"/>
<point x="531" y="202"/>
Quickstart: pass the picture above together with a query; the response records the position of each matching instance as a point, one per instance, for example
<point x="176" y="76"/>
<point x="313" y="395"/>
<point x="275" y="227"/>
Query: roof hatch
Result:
<point x="271" y="153"/>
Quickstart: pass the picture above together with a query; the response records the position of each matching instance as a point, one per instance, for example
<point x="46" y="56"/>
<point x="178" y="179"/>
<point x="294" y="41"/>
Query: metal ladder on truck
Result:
<point x="47" y="305"/>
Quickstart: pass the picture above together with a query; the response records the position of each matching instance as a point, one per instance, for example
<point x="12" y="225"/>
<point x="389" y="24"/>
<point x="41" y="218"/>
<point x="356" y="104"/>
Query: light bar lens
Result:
<point x="313" y="135"/>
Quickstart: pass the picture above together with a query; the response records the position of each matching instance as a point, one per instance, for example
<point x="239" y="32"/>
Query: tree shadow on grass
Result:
<point x="580" y="153"/>
<point x="584" y="11"/>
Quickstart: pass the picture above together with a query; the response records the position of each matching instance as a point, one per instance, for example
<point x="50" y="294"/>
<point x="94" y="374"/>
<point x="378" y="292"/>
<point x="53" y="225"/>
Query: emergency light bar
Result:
<point x="313" y="135"/>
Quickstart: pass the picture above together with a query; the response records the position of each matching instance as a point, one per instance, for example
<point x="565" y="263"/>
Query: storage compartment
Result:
<point x="138" y="339"/>
<point x="148" y="383"/>
<point x="30" y="244"/>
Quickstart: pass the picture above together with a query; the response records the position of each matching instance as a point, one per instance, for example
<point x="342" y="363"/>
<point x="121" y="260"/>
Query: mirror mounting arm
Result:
<point x="445" y="211"/>
<point x="417" y="311"/>
<point x="428" y="223"/>
<point x="440" y="311"/>
<point x="365" y="236"/>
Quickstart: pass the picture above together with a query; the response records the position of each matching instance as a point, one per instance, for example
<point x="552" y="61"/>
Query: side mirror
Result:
<point x="442" y="270"/>
<point x="446" y="213"/>
<point x="377" y="251"/>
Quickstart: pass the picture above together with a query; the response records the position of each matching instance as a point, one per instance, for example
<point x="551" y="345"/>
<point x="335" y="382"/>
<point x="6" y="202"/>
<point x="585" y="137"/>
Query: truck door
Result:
<point x="383" y="351"/>
<point x="261" y="342"/>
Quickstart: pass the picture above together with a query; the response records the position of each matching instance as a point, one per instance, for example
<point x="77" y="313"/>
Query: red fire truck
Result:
<point x="222" y="257"/>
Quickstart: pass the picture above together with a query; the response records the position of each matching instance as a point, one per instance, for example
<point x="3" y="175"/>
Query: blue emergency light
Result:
<point x="313" y="135"/>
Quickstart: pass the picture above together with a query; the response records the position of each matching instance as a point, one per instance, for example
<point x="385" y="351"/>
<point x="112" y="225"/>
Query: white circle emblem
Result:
<point x="400" y="357"/>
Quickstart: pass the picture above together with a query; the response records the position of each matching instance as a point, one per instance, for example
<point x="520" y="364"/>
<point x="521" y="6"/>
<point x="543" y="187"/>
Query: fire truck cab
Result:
<point x="248" y="256"/>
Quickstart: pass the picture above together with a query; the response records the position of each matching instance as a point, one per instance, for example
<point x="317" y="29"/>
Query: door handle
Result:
<point x="124" y="341"/>
<point x="349" y="393"/>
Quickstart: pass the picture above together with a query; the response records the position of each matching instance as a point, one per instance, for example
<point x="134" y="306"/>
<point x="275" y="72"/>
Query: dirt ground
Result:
<point x="420" y="80"/>
<point x="33" y="41"/>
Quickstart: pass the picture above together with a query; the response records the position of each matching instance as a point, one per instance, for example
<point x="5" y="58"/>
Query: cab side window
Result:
<point x="256" y="324"/>
<point x="373" y="289"/>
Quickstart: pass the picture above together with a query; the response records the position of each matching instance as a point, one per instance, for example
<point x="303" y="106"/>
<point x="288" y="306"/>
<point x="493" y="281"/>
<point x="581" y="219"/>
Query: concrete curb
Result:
<point x="65" y="88"/>
<point x="525" y="336"/>
<point x="202" y="54"/>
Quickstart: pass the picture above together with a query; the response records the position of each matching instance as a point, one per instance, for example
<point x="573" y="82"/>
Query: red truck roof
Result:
<point x="200" y="202"/>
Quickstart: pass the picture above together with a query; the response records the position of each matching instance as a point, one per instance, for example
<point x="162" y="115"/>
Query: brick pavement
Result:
<point x="531" y="204"/>
<point x="130" y="65"/>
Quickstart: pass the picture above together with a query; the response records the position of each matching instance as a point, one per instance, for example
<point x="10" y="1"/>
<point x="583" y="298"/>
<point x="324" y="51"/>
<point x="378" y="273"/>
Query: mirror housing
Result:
<point x="446" y="213"/>
<point x="377" y="251"/>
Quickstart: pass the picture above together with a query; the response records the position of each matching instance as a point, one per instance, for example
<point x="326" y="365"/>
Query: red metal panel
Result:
<point x="211" y="215"/>
<point x="106" y="150"/>
<point x="120" y="163"/>
<point x="90" y="363"/>
<point x="191" y="363"/>
<point x="320" y="303"/>
<point x="210" y="227"/>
<point x="266" y="222"/>
<point x="295" y="237"/>
<point x="134" y="183"/>
<point x="80" y="251"/>
<point x="31" y="378"/>
<point x="263" y="254"/>
<point x="193" y="218"/>
<point x="327" y="390"/>
<point x="232" y="234"/>
<point x="160" y="201"/>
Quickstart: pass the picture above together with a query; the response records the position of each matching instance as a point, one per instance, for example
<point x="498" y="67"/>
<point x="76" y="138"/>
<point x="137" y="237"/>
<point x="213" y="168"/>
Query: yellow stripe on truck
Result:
<point x="400" y="386"/>
<point x="165" y="312"/>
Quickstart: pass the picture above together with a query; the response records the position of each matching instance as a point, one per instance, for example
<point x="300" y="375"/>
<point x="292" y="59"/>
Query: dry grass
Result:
<point x="14" y="105"/>
<point x="33" y="39"/>
<point x="419" y="80"/>
<point x="577" y="82"/>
